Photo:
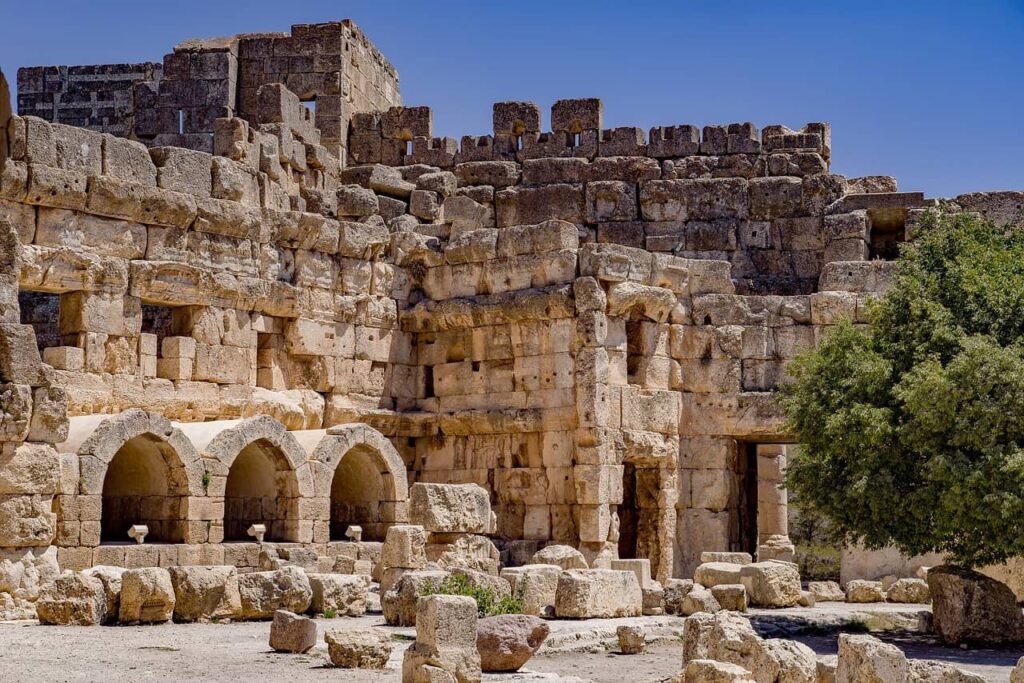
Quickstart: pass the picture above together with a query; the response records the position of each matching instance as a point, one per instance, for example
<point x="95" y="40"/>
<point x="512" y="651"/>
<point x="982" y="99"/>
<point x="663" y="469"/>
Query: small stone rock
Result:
<point x="562" y="556"/>
<point x="860" y="590"/>
<point x="731" y="596"/>
<point x="358" y="648"/>
<point x="507" y="641"/>
<point x="290" y="632"/>
<point x="700" y="599"/>
<point x="632" y="639"/>
<point x="826" y="591"/>
<point x="806" y="599"/>
<point x="911" y="591"/>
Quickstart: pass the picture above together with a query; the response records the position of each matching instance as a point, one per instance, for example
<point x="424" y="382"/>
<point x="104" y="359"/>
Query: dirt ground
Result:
<point x="239" y="652"/>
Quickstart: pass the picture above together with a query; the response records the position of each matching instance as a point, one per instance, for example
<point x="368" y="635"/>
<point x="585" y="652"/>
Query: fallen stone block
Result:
<point x="446" y="627"/>
<point x="263" y="593"/>
<point x="147" y="596"/>
<point x="344" y="594"/>
<point x="723" y="556"/>
<point x="865" y="658"/>
<point x="910" y="591"/>
<point x="597" y="593"/>
<point x="506" y="642"/>
<point x="969" y="607"/>
<point x="698" y="600"/>
<point x="563" y="556"/>
<point x="711" y="671"/>
<point x="731" y="596"/>
<point x="205" y="593"/>
<point x="712" y="574"/>
<point x="405" y="547"/>
<point x="359" y="648"/>
<point x="632" y="639"/>
<point x="110" y="577"/>
<point x="860" y="590"/>
<point x="676" y="591"/>
<point x="536" y="585"/>
<point x="72" y="600"/>
<point x="399" y="603"/>
<point x="771" y="584"/>
<point x="291" y="632"/>
<point x="826" y="591"/>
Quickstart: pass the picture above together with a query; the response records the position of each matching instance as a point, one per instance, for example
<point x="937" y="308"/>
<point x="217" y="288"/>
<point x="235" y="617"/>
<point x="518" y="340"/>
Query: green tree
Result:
<point x="911" y="428"/>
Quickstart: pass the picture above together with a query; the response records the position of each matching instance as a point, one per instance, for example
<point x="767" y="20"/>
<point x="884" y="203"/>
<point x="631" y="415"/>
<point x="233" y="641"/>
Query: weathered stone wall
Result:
<point x="588" y="323"/>
<point x="175" y="103"/>
<point x="96" y="97"/>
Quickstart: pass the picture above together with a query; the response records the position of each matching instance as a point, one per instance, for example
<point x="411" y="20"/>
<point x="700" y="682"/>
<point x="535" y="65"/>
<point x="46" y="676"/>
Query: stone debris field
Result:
<point x="290" y="387"/>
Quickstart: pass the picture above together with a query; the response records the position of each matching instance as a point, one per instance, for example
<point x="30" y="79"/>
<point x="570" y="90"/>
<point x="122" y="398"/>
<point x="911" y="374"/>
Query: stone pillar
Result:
<point x="772" y="509"/>
<point x="445" y="647"/>
<point x="5" y="116"/>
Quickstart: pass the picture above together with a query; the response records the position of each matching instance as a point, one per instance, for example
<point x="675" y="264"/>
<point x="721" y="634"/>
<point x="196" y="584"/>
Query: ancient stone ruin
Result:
<point x="249" y="302"/>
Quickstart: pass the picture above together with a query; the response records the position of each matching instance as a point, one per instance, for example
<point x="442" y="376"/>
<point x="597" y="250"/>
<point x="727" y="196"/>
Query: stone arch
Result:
<point x="134" y="468"/>
<point x="266" y="476"/>
<point x="364" y="479"/>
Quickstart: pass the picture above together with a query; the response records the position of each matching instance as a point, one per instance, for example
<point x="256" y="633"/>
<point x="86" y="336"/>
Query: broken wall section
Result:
<point x="96" y="97"/>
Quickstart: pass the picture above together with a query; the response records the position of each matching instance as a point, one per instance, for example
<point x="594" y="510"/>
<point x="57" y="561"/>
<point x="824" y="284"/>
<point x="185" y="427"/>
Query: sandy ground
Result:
<point x="239" y="652"/>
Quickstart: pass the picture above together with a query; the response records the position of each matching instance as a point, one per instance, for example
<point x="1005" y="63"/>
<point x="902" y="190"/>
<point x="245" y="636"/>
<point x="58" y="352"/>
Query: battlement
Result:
<point x="404" y="136"/>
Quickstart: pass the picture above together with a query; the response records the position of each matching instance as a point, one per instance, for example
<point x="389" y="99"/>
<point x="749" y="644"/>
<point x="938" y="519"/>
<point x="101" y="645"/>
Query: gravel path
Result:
<point x="239" y="652"/>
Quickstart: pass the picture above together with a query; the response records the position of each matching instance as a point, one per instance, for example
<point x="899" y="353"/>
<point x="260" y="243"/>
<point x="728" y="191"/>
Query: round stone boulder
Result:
<point x="507" y="641"/>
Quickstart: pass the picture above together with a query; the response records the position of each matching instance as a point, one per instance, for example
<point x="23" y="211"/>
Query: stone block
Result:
<point x="450" y="508"/>
<point x="147" y="596"/>
<point x="183" y="170"/>
<point x="72" y="600"/>
<point x="205" y="593"/>
<point x="597" y="593"/>
<point x="344" y="594"/>
<point x="292" y="633"/>
<point x="358" y="648"/>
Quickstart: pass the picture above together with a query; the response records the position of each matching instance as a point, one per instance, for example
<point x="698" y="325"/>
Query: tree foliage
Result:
<point x="912" y="428"/>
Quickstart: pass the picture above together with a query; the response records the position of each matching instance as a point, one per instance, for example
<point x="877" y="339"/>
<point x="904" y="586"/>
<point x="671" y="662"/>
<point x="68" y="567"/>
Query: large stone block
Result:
<point x="450" y="508"/>
<point x="969" y="607"/>
<point x="205" y="593"/>
<point x="358" y="648"/>
<point x="72" y="600"/>
<point x="536" y="585"/>
<point x="771" y="584"/>
<point x="291" y="632"/>
<point x="147" y="596"/>
<point x="405" y="547"/>
<point x="344" y="594"/>
<point x="598" y="593"/>
<point x="446" y="631"/>
<point x="263" y="593"/>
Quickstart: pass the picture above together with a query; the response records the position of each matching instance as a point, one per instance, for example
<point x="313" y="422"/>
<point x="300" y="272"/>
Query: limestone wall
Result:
<point x="588" y="323"/>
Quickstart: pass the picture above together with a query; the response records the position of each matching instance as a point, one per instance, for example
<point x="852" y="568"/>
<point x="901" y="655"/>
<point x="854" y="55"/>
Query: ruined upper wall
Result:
<point x="176" y="103"/>
<point x="95" y="97"/>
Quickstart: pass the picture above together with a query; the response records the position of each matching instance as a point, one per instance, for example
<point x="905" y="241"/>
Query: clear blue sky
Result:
<point x="931" y="92"/>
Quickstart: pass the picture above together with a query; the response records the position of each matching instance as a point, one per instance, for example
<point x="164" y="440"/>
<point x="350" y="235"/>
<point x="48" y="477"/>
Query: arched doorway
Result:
<point x="265" y="475"/>
<point x="357" y="491"/>
<point x="259" y="490"/>
<point x="364" y="478"/>
<point x="135" y="468"/>
<point x="140" y="487"/>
